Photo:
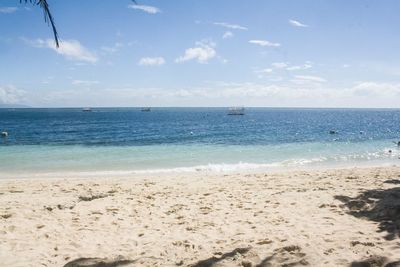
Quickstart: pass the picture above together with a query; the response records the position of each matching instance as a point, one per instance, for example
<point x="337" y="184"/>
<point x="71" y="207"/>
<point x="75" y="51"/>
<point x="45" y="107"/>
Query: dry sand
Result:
<point x="347" y="217"/>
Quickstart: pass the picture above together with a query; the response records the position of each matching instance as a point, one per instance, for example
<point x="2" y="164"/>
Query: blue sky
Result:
<point x="202" y="53"/>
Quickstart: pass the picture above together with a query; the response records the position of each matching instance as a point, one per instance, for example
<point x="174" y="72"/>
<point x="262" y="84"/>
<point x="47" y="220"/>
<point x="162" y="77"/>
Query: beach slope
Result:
<point x="347" y="217"/>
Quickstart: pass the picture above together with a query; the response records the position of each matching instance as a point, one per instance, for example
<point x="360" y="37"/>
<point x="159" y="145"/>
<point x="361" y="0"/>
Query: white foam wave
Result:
<point x="321" y="161"/>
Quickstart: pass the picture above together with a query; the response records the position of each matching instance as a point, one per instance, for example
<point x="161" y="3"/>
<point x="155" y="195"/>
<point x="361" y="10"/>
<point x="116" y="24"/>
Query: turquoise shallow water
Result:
<point x="184" y="158"/>
<point x="127" y="140"/>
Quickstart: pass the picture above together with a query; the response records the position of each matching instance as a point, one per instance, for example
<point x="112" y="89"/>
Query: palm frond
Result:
<point x="48" y="17"/>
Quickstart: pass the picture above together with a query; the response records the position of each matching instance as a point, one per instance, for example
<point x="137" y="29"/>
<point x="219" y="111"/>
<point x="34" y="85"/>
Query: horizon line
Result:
<point x="271" y="107"/>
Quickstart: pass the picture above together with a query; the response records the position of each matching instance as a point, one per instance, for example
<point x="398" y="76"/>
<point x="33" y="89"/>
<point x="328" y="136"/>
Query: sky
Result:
<point x="267" y="53"/>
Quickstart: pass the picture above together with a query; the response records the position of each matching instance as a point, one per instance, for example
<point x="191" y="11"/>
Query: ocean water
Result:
<point x="126" y="140"/>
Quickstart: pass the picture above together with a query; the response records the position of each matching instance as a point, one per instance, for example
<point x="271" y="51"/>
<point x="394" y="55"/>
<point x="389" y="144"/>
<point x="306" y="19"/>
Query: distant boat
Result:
<point x="236" y="111"/>
<point x="4" y="134"/>
<point x="86" y="109"/>
<point x="146" y="109"/>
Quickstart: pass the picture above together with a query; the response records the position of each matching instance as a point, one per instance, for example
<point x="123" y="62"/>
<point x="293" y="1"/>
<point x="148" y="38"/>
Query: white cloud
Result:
<point x="11" y="95"/>
<point x="147" y="9"/>
<point x="362" y="94"/>
<point x="279" y="65"/>
<point x="376" y="89"/>
<point x="308" y="78"/>
<point x="47" y="80"/>
<point x="202" y="52"/>
<point x="296" y="23"/>
<point x="230" y="26"/>
<point x="264" y="43"/>
<point x="305" y="66"/>
<point x="151" y="61"/>
<point x="345" y="66"/>
<point x="227" y="35"/>
<point x="70" y="49"/>
<point x="262" y="72"/>
<point x="8" y="10"/>
<point x="275" y="79"/>
<point x="112" y="49"/>
<point x="287" y="66"/>
<point x="85" y="83"/>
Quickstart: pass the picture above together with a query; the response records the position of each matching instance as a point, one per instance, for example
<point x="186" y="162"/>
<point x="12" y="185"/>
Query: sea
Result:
<point x="122" y="141"/>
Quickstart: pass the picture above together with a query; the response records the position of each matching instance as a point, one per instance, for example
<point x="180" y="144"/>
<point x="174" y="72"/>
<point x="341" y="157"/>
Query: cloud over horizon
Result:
<point x="84" y="83"/>
<point x="230" y="93"/>
<point x="11" y="95"/>
<point x="308" y="78"/>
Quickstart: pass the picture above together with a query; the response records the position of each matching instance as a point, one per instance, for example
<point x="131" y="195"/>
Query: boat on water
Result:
<point x="146" y="109"/>
<point x="86" y="109"/>
<point x="236" y="111"/>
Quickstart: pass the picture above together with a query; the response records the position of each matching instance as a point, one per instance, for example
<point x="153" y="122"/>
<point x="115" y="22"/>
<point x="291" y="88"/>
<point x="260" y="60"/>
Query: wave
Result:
<point x="120" y="163"/>
<point x="381" y="158"/>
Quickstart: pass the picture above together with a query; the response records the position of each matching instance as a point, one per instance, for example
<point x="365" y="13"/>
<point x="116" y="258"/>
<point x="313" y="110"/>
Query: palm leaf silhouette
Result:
<point x="48" y="17"/>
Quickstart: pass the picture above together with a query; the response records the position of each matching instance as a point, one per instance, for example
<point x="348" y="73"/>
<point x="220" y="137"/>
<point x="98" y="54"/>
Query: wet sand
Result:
<point x="344" y="217"/>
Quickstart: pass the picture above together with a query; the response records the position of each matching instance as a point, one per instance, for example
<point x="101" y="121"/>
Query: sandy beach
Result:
<point x="346" y="217"/>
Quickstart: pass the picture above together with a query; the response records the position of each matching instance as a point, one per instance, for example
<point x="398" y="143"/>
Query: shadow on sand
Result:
<point x="97" y="262"/>
<point x="381" y="206"/>
<point x="214" y="260"/>
<point x="285" y="256"/>
<point x="375" y="261"/>
<point x="378" y="205"/>
<point x="392" y="181"/>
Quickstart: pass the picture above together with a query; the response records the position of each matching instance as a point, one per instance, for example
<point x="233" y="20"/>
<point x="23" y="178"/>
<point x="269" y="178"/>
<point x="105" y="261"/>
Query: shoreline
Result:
<point x="331" y="217"/>
<point x="182" y="171"/>
<point x="83" y="161"/>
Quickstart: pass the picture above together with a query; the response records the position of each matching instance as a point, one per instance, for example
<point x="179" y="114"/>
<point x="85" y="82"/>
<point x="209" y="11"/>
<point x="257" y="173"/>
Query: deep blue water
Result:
<point x="131" y="127"/>
<point x="128" y="139"/>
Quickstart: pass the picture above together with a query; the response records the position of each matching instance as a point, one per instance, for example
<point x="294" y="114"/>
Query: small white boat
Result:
<point x="236" y="111"/>
<point x="86" y="109"/>
<point x="4" y="134"/>
<point x="146" y="109"/>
